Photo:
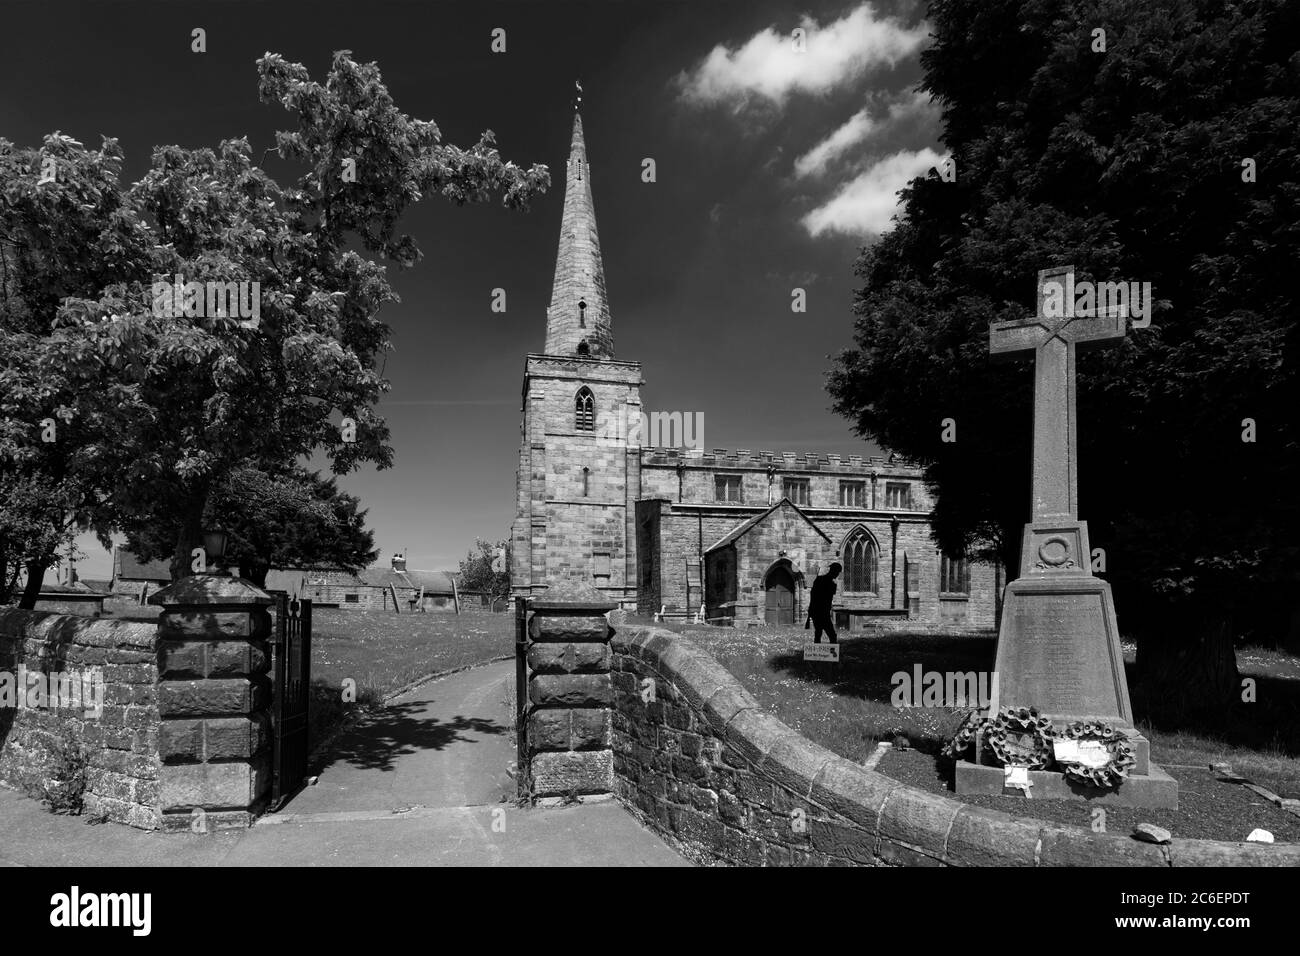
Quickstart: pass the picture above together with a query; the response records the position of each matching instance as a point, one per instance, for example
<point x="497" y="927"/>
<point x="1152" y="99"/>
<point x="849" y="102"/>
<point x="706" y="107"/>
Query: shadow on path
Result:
<point x="400" y="730"/>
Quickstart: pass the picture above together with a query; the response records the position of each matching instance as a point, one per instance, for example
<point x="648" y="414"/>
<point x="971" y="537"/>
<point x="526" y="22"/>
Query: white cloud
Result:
<point x="816" y="160"/>
<point x="859" y="128"/>
<point x="865" y="204"/>
<point x="768" y="66"/>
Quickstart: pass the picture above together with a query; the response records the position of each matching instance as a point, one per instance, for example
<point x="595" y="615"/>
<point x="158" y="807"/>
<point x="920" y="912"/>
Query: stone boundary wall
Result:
<point x="725" y="782"/>
<point x="121" y="745"/>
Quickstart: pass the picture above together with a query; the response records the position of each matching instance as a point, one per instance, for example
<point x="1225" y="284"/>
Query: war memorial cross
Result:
<point x="1053" y="335"/>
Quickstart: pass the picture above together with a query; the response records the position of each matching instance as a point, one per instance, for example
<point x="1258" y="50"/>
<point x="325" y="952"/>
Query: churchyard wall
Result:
<point x="117" y="746"/>
<point x="700" y="762"/>
<point x="176" y="734"/>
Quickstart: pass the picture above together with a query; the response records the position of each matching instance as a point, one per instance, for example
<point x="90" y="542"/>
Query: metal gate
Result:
<point x="291" y="693"/>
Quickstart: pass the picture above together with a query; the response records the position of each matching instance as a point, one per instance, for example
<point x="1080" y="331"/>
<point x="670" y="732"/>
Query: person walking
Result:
<point x="820" y="599"/>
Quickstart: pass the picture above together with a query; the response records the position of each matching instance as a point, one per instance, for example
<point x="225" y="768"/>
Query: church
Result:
<point x="732" y="537"/>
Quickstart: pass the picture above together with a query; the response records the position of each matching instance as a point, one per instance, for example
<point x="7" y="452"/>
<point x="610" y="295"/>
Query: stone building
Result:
<point x="371" y="589"/>
<point x="737" y="535"/>
<point x="135" y="578"/>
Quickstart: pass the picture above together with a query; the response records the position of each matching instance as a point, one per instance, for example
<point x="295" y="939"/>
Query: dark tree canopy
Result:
<point x="1128" y="164"/>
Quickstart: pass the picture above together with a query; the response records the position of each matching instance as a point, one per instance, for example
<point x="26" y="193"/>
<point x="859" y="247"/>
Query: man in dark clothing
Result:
<point x="820" y="599"/>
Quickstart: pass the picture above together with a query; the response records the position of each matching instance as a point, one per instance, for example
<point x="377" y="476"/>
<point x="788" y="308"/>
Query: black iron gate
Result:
<point x="291" y="692"/>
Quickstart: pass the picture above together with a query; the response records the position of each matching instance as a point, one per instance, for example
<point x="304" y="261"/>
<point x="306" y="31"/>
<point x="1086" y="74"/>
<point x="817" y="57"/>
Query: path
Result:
<point x="421" y="784"/>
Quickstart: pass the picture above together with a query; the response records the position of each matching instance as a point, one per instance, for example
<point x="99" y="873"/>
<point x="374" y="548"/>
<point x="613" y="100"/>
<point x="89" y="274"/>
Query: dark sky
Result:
<point x="700" y="264"/>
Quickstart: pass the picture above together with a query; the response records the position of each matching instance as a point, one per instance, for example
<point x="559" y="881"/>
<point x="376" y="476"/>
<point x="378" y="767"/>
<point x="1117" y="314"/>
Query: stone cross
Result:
<point x="1053" y="335"/>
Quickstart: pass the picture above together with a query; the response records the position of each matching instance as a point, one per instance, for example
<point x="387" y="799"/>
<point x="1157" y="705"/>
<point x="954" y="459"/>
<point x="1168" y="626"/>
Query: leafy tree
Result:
<point x="486" y="568"/>
<point x="64" y="231"/>
<point x="294" y="519"/>
<point x="170" y="406"/>
<point x="1128" y="164"/>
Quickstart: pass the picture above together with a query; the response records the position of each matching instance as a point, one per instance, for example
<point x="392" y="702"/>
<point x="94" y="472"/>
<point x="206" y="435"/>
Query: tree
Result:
<point x="64" y="231"/>
<point x="169" y="403"/>
<point x="1128" y="164"/>
<point x="294" y="519"/>
<point x="486" y="568"/>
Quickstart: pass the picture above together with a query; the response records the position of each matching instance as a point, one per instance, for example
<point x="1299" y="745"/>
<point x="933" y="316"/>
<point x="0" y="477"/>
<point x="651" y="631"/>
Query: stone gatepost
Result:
<point x="214" y="700"/>
<point x="570" y="692"/>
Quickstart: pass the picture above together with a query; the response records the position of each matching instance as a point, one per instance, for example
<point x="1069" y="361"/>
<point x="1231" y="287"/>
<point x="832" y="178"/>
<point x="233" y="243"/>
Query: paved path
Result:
<point x="420" y="784"/>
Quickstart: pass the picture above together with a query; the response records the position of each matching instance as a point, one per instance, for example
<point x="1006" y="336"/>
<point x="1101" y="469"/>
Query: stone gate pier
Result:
<point x="214" y="702"/>
<point x="569" y="692"/>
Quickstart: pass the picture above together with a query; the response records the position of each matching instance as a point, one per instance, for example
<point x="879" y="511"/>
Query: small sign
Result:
<point x="1066" y="751"/>
<point x="1093" y="753"/>
<point x="1016" y="778"/>
<point x="821" y="652"/>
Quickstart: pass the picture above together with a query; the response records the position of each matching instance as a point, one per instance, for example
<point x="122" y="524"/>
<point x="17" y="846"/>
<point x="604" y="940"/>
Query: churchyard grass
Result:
<point x="846" y="708"/>
<point x="384" y="652"/>
<point x="379" y="650"/>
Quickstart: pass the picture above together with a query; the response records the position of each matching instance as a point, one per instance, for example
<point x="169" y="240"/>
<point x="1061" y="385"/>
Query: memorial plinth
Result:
<point x="1058" y="644"/>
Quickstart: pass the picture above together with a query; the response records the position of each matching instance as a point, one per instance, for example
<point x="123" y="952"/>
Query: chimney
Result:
<point x="399" y="562"/>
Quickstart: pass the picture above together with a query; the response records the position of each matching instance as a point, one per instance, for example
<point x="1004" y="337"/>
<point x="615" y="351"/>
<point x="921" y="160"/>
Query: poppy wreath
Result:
<point x="965" y="737"/>
<point x="1020" y="737"/>
<point x="1112" y="773"/>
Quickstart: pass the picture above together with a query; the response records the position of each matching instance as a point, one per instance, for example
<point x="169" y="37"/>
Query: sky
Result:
<point x="777" y="156"/>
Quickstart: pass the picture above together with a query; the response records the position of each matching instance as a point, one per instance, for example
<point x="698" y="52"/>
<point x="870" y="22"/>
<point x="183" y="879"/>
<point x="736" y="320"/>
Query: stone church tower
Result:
<point x="579" y="477"/>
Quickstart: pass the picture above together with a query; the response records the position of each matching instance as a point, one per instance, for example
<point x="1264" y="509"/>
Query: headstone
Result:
<point x="1058" y="643"/>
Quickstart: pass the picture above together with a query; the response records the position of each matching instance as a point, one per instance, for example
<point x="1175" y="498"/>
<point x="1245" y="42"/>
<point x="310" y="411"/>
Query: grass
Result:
<point x="847" y="708"/>
<point x="383" y="652"/>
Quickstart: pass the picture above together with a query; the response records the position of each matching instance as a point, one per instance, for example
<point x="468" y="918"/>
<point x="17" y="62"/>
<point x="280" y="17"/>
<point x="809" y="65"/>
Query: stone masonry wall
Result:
<point x="121" y="743"/>
<point x="725" y="782"/>
<point x="569" y="693"/>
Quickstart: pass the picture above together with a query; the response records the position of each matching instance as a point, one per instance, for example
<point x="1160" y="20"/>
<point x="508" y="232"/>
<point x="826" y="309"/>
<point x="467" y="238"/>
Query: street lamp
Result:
<point x="214" y="546"/>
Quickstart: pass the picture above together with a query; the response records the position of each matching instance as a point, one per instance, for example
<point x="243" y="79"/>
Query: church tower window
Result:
<point x="586" y="481"/>
<point x="584" y="410"/>
<point x="582" y="314"/>
<point x="859" y="562"/>
<point x="584" y="348"/>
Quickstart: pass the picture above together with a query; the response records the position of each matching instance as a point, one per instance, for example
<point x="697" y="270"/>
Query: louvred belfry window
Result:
<point x="584" y="411"/>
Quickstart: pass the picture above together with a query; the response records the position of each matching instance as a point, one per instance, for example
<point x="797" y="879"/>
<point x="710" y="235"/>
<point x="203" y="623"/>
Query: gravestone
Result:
<point x="1058" y="643"/>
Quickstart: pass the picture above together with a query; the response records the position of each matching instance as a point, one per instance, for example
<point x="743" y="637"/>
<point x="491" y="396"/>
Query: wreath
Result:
<point x="1111" y="756"/>
<point x="1014" y="736"/>
<point x="1020" y="737"/>
<point x="965" y="737"/>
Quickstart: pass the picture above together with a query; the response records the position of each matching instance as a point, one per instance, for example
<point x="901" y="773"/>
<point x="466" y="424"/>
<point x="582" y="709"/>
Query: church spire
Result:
<point x="578" y="320"/>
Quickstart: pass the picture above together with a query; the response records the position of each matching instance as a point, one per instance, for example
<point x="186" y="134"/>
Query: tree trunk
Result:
<point x="35" y="578"/>
<point x="1187" y="670"/>
<point x="188" y="538"/>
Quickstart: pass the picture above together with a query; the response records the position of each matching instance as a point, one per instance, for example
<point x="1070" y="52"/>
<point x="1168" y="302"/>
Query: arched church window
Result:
<point x="586" y="481"/>
<point x="582" y="314"/>
<point x="859" y="562"/>
<point x="584" y="348"/>
<point x="584" y="410"/>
